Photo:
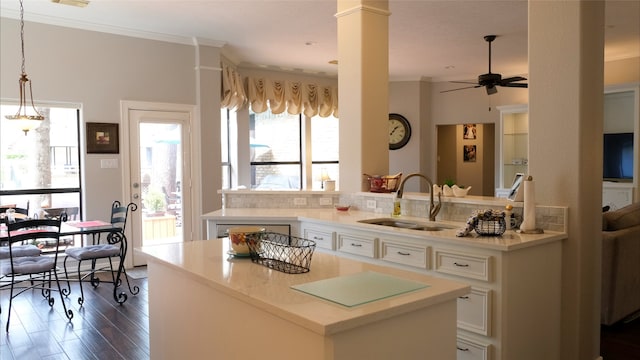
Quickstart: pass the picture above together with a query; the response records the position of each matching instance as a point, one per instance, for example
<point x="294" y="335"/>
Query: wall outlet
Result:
<point x="371" y="204"/>
<point x="326" y="201"/>
<point x="300" y="201"/>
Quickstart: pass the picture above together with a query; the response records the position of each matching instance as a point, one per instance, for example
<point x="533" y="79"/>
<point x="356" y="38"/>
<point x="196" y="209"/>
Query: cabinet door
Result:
<point x="474" y="311"/>
<point x="466" y="265"/>
<point x="471" y="350"/>
<point x="323" y="238"/>
<point x="405" y="254"/>
<point x="357" y="244"/>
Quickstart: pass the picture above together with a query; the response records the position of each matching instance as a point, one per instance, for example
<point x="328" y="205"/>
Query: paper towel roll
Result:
<point x="529" y="213"/>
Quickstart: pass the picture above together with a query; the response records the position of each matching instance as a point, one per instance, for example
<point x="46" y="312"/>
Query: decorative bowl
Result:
<point x="460" y="192"/>
<point x="341" y="207"/>
<point x="239" y="235"/>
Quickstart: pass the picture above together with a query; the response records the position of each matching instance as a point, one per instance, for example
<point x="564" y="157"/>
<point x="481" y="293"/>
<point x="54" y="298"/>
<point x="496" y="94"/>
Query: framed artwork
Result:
<point x="102" y="138"/>
<point x="469" y="153"/>
<point x="469" y="131"/>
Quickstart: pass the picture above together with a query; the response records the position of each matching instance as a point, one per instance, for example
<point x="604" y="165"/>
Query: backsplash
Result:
<point x="552" y="218"/>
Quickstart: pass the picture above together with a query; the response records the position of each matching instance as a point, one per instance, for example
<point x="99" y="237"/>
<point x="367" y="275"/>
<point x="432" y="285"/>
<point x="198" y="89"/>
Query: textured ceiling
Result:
<point x="441" y="40"/>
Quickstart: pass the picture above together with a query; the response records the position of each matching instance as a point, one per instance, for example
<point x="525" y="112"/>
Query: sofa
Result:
<point x="620" y="264"/>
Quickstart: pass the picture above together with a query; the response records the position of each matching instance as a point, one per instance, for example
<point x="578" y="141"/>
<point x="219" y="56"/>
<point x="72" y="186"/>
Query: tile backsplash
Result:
<point x="552" y="218"/>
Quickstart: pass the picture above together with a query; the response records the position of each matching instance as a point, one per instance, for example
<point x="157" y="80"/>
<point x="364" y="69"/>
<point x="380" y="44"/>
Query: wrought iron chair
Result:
<point x="19" y="210"/>
<point x="33" y="272"/>
<point x="114" y="247"/>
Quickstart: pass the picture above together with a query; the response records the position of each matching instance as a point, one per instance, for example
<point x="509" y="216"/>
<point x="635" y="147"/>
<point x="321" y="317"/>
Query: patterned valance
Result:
<point x="263" y="94"/>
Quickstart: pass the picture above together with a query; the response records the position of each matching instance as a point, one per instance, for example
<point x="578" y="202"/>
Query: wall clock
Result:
<point x="399" y="131"/>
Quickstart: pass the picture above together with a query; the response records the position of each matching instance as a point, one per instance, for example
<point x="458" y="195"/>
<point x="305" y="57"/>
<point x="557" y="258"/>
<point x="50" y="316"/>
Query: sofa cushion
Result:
<point x="623" y="218"/>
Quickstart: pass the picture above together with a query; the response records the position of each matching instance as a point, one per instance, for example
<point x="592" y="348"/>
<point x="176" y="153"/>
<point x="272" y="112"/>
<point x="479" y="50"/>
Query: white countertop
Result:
<point x="207" y="262"/>
<point x="510" y="240"/>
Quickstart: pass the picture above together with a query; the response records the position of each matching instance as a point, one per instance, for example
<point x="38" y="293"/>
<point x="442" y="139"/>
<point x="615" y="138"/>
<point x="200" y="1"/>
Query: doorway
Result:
<point x="159" y="177"/>
<point x="452" y="164"/>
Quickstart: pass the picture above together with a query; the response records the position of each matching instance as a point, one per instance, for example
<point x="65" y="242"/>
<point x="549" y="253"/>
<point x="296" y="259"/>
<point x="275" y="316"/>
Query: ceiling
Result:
<point x="437" y="39"/>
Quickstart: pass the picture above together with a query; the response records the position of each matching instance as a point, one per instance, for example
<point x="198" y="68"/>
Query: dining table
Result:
<point x="93" y="229"/>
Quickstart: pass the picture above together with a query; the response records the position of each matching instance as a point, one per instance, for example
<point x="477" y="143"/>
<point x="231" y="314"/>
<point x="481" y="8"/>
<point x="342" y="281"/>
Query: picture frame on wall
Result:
<point x="469" y="152"/>
<point x="469" y="131"/>
<point x="102" y="138"/>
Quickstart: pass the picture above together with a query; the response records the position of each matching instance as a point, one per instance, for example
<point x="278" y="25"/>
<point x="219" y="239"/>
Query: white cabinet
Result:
<point x="465" y="265"/>
<point x="324" y="237"/>
<point x="357" y="243"/>
<point x="471" y="350"/>
<point x="405" y="253"/>
<point x="513" y="144"/>
<point x="474" y="311"/>
<point x="617" y="195"/>
<point x="219" y="229"/>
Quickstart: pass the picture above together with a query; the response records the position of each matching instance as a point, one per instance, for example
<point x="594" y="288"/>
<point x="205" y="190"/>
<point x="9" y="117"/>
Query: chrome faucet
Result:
<point x="433" y="208"/>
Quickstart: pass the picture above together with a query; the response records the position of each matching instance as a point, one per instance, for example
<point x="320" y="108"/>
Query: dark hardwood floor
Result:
<point x="101" y="329"/>
<point x="105" y="330"/>
<point x="621" y="341"/>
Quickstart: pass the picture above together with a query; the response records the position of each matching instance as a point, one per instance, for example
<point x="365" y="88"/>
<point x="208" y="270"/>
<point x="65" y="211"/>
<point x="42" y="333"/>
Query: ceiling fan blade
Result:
<point x="512" y="79"/>
<point x="516" y="85"/>
<point x="468" y="87"/>
<point x="464" y="82"/>
<point x="491" y="90"/>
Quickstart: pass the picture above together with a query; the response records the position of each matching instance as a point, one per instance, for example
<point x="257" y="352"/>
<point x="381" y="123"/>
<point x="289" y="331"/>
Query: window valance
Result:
<point x="263" y="94"/>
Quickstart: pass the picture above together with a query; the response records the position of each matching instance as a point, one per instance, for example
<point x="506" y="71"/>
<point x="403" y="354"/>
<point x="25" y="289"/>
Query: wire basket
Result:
<point x="496" y="225"/>
<point x="288" y="254"/>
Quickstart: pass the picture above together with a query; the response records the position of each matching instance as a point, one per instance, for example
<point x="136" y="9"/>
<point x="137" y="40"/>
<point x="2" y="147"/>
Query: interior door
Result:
<point x="159" y="177"/>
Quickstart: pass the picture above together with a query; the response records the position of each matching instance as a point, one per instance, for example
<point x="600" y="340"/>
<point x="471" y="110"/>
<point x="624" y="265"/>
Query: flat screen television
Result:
<point x="618" y="157"/>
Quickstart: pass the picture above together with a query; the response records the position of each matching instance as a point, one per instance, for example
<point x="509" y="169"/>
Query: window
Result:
<point x="275" y="148"/>
<point x="324" y="150"/>
<point x="225" y="135"/>
<point x="41" y="170"/>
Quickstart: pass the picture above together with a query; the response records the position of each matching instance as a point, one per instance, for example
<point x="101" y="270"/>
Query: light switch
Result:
<point x="109" y="163"/>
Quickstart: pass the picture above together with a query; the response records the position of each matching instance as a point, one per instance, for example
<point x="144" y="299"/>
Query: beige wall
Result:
<point x="622" y="71"/>
<point x="405" y="98"/>
<point x="97" y="71"/>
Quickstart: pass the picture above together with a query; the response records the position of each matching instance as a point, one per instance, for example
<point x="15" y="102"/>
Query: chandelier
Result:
<point x="34" y="118"/>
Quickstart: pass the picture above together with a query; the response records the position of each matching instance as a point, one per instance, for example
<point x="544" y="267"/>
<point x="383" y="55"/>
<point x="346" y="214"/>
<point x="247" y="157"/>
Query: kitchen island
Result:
<point x="513" y="309"/>
<point x="203" y="303"/>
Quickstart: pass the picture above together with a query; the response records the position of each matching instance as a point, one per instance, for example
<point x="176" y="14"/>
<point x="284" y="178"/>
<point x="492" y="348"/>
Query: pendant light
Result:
<point x="34" y="119"/>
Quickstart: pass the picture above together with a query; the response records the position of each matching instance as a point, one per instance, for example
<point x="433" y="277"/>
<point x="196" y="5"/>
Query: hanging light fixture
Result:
<point x="25" y="121"/>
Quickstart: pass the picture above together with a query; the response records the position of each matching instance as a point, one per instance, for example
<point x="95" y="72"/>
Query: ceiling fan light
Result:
<point x="491" y="90"/>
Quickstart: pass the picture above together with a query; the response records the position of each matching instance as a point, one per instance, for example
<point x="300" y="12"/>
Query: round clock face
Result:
<point x="399" y="131"/>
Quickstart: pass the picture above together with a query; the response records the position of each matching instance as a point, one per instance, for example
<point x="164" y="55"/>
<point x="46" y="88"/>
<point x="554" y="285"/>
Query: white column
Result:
<point x="566" y="71"/>
<point x="363" y="87"/>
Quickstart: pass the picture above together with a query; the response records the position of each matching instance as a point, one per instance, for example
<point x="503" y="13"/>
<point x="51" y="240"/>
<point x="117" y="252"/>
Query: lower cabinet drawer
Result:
<point x="472" y="350"/>
<point x="404" y="254"/>
<point x="474" y="311"/>
<point x="357" y="244"/>
<point x="323" y="239"/>
<point x="465" y="265"/>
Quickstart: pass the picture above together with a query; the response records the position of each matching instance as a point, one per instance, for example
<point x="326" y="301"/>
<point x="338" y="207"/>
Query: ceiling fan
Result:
<point x="491" y="80"/>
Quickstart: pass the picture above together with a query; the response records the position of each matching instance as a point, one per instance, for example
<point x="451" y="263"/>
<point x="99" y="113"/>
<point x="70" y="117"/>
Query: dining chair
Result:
<point x="33" y="271"/>
<point x="19" y="210"/>
<point x="113" y="247"/>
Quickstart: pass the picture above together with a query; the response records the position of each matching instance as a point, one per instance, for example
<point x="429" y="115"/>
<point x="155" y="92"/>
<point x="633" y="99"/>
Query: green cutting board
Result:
<point x="360" y="288"/>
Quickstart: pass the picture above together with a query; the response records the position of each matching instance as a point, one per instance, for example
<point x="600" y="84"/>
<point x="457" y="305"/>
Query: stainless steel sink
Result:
<point x="403" y="224"/>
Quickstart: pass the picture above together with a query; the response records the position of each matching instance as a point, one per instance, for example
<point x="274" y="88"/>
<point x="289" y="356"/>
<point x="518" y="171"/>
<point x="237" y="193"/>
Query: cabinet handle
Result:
<point x="460" y="265"/>
<point x="463" y="297"/>
<point x="403" y="253"/>
<point x="318" y="238"/>
<point x="462" y="349"/>
<point x="356" y="245"/>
